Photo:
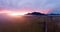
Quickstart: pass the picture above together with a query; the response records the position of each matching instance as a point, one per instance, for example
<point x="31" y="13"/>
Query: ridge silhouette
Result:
<point x="35" y="13"/>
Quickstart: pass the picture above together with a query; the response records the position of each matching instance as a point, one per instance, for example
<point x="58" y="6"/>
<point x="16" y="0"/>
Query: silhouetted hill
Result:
<point x="35" y="13"/>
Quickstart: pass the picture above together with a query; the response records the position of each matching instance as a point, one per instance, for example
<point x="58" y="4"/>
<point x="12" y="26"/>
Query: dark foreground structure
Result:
<point x="30" y="24"/>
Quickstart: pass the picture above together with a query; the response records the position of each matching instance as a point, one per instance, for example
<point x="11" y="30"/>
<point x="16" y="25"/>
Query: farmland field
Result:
<point x="30" y="24"/>
<point x="21" y="24"/>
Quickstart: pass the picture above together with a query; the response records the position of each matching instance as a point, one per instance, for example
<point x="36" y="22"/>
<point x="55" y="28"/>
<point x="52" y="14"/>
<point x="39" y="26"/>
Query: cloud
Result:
<point x="31" y="4"/>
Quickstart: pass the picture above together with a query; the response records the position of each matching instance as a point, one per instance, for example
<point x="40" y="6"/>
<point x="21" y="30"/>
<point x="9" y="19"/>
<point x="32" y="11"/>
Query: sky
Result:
<point x="43" y="6"/>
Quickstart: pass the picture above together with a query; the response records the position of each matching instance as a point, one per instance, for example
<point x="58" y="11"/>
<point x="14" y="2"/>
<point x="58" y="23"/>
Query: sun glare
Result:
<point x="16" y="14"/>
<point x="13" y="13"/>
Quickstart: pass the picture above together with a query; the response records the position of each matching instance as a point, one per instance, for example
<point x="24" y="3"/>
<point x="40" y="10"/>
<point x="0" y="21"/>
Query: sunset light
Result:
<point x="16" y="14"/>
<point x="13" y="13"/>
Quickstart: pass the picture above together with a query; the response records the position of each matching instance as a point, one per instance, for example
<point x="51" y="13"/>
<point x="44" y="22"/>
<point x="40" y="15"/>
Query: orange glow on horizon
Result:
<point x="16" y="14"/>
<point x="25" y="11"/>
<point x="13" y="13"/>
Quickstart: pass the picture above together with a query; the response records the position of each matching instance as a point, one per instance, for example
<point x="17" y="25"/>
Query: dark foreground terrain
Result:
<point x="29" y="24"/>
<point x="21" y="24"/>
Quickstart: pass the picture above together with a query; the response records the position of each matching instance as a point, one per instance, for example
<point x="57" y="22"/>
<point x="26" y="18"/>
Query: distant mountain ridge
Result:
<point x="35" y="13"/>
<point x="38" y="13"/>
